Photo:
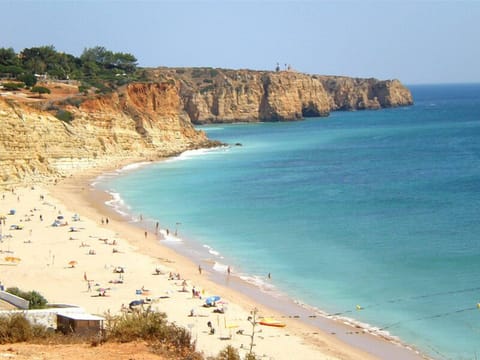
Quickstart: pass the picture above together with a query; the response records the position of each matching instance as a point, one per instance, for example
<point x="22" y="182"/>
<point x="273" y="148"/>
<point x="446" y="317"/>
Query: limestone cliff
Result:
<point x="140" y="121"/>
<point x="360" y="94"/>
<point x="154" y="119"/>
<point x="219" y="95"/>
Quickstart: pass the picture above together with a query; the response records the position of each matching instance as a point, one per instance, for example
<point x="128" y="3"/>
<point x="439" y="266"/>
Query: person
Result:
<point x="228" y="270"/>
<point x="106" y="221"/>
<point x="269" y="275"/>
<point x="146" y="234"/>
<point x="199" y="269"/>
<point x="212" y="329"/>
<point x="103" y="221"/>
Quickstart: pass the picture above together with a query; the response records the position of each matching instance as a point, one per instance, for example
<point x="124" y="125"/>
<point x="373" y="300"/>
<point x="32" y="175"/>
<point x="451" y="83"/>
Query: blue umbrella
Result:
<point x="212" y="299"/>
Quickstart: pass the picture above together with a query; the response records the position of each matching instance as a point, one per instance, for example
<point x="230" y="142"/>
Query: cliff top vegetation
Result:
<point x="97" y="67"/>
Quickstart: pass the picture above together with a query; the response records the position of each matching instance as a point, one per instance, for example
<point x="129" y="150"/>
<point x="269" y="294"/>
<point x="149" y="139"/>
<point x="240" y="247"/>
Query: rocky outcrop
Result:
<point x="360" y="94"/>
<point x="140" y="121"/>
<point x="219" y="95"/>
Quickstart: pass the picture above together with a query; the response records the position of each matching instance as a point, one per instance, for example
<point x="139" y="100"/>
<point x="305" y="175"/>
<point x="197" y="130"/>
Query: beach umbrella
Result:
<point x="72" y="263"/>
<point x="212" y="299"/>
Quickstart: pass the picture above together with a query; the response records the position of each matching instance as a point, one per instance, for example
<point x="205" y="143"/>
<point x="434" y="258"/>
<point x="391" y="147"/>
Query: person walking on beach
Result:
<point x="199" y="269"/>
<point x="228" y="270"/>
<point x="146" y="234"/>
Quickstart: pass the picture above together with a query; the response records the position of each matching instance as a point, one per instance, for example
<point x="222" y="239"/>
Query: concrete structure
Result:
<point x="79" y="323"/>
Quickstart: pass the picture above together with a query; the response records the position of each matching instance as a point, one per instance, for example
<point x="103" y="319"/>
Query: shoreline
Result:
<point x="77" y="196"/>
<point x="303" y="315"/>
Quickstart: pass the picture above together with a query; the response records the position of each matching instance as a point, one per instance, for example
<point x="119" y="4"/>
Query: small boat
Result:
<point x="272" y="322"/>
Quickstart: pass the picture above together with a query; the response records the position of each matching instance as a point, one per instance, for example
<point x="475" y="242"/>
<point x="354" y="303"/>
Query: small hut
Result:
<point x="79" y="323"/>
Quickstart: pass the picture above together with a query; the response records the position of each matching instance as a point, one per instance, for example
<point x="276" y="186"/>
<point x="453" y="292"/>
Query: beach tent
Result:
<point x="136" y="303"/>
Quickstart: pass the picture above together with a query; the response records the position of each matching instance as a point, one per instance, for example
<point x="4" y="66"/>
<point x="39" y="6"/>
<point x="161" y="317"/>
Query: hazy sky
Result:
<point x="415" y="41"/>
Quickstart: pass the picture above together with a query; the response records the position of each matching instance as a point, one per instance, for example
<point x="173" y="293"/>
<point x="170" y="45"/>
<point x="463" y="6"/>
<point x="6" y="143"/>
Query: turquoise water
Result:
<point x="372" y="208"/>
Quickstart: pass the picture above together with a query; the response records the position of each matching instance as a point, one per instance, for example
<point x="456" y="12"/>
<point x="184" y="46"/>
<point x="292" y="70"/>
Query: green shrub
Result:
<point x="207" y="88"/>
<point x="35" y="299"/>
<point x="83" y="89"/>
<point x="28" y="79"/>
<point x="75" y="101"/>
<point x="40" y="90"/>
<point x="64" y="115"/>
<point x="197" y="73"/>
<point x="11" y="86"/>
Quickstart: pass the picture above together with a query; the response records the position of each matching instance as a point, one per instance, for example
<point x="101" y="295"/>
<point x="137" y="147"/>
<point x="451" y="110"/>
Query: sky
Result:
<point x="415" y="41"/>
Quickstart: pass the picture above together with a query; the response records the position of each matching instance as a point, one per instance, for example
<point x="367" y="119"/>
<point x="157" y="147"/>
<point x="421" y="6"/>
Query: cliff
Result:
<point x="140" y="121"/>
<point x="154" y="119"/>
<point x="361" y="94"/>
<point x="218" y="95"/>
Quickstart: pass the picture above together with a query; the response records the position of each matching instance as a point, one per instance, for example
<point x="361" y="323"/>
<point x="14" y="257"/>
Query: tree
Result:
<point x="40" y="90"/>
<point x="8" y="57"/>
<point x="28" y="79"/>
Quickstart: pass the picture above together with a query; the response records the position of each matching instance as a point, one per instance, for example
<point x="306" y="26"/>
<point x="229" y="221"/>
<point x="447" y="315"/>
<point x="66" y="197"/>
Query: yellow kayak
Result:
<point x="272" y="322"/>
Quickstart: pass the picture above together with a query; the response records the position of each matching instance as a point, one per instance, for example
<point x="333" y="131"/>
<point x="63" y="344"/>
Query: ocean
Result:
<point x="370" y="215"/>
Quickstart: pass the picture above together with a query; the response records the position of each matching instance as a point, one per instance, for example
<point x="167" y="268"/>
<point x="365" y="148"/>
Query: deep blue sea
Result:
<point x="379" y="209"/>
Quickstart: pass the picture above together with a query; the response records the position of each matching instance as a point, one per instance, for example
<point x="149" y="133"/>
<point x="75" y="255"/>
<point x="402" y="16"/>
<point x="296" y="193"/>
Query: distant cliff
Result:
<point x="140" y="121"/>
<point x="218" y="95"/>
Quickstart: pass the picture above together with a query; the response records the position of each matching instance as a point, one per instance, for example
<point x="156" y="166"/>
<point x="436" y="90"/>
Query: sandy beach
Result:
<point x="98" y="260"/>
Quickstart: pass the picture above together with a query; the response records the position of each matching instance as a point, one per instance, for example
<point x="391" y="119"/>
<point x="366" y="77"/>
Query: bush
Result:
<point x="16" y="328"/>
<point x="229" y="353"/>
<point x="64" y="115"/>
<point x="40" y="90"/>
<point x="150" y="326"/>
<point x="83" y="89"/>
<point x="35" y="299"/>
<point x="208" y="88"/>
<point x="28" y="79"/>
<point x="13" y="86"/>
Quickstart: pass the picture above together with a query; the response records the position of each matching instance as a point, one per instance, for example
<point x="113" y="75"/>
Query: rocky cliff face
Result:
<point x="218" y="95"/>
<point x="152" y="120"/>
<point x="140" y="121"/>
<point x="360" y="94"/>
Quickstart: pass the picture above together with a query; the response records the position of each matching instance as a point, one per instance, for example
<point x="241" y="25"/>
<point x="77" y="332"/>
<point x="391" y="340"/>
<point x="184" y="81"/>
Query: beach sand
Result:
<point x="74" y="267"/>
